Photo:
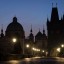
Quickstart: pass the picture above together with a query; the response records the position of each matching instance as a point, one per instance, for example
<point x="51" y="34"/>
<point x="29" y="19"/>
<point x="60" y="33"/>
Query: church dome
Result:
<point x="39" y="34"/>
<point x="14" y="28"/>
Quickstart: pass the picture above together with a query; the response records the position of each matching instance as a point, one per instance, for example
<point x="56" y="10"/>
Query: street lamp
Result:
<point x="37" y="50"/>
<point x="43" y="51"/>
<point x="33" y="48"/>
<point x="14" y="40"/>
<point x="62" y="45"/>
<point x="27" y="45"/>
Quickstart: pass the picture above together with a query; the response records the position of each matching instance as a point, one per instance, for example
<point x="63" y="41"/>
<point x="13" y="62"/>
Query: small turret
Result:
<point x="43" y="31"/>
<point x="31" y="37"/>
<point x="2" y="35"/>
<point x="31" y="29"/>
<point x="15" y="19"/>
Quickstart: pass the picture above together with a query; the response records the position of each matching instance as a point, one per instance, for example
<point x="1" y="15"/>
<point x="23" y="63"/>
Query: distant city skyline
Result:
<point x="29" y="12"/>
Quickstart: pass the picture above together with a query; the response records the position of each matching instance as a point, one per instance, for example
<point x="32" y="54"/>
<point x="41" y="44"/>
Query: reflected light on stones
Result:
<point x="13" y="62"/>
<point x="27" y="59"/>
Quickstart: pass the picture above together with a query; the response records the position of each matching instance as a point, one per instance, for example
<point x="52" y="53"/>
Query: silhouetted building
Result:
<point x="14" y="37"/>
<point x="41" y="40"/>
<point x="55" y="30"/>
<point x="14" y="40"/>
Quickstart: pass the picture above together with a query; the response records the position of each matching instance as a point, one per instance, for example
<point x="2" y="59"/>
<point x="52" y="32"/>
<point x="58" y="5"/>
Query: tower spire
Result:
<point x="31" y="37"/>
<point x="43" y="30"/>
<point x="31" y="29"/>
<point x="2" y="29"/>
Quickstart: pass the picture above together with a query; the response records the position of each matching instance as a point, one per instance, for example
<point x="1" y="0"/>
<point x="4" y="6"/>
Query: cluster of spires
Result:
<point x="31" y="31"/>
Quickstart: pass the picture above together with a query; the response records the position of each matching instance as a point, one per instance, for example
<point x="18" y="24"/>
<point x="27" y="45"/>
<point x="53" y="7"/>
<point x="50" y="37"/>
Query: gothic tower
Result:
<point x="53" y="29"/>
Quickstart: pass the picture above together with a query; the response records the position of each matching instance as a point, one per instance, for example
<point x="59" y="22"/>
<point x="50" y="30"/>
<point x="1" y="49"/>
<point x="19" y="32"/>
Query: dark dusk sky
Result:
<point x="28" y="12"/>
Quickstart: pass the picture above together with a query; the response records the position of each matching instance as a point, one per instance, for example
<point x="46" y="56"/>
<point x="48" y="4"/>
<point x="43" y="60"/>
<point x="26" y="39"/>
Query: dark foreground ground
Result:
<point x="35" y="60"/>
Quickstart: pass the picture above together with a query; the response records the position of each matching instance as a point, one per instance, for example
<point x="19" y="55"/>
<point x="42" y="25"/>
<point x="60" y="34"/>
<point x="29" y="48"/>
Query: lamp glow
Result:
<point x="27" y="46"/>
<point x="58" y="49"/>
<point x="14" y="40"/>
<point x="42" y="50"/>
<point x="62" y="45"/>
